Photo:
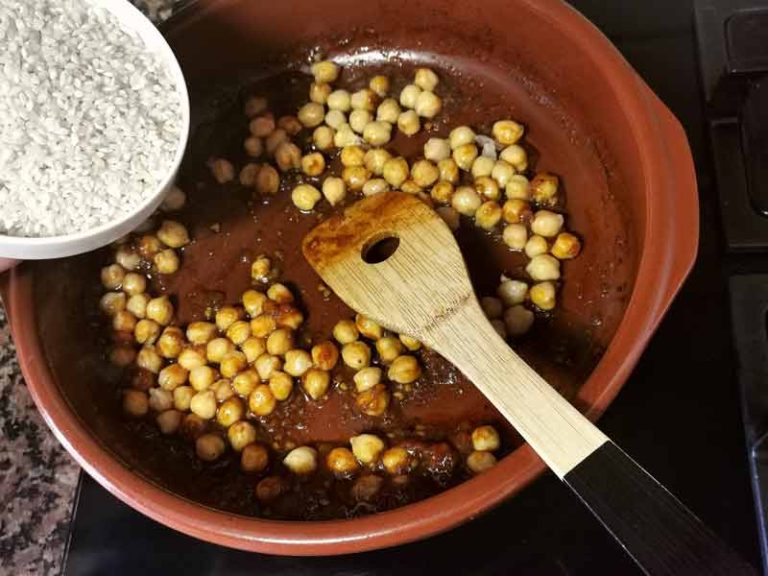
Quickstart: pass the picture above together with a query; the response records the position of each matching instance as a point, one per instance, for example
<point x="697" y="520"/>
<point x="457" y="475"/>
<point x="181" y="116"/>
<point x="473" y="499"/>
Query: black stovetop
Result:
<point x="678" y="415"/>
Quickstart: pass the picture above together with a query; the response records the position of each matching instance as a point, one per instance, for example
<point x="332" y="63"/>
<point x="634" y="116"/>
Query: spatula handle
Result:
<point x="660" y="533"/>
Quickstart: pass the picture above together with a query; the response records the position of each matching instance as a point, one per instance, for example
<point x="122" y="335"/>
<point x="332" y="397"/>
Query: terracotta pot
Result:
<point x="630" y="187"/>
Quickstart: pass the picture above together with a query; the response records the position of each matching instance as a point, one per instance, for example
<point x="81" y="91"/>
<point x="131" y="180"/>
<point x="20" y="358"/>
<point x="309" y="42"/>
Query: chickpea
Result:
<point x="334" y="190"/>
<point x="248" y="174"/>
<point x="364" y="99"/>
<point x="263" y="325"/>
<point x="543" y="295"/>
<point x="262" y="126"/>
<point x="409" y="96"/>
<point x="269" y="488"/>
<point x="515" y="236"/>
<point x="339" y="100"/>
<point x="388" y="111"/>
<point x="322" y="138"/>
<point x="516" y="211"/>
<point x="487" y="188"/>
<point x="203" y="404"/>
<point x="279" y="293"/>
<point x="182" y="397"/>
<point x="366" y="448"/>
<point x="424" y="173"/>
<point x="428" y="104"/>
<point x="460" y="136"/>
<point x="345" y="332"/>
<point x="246" y="381"/>
<point x="312" y="114"/>
<point x="209" y="447"/>
<point x="375" y="186"/>
<point x="341" y="462"/>
<point x="325" y="71"/>
<point x="143" y="380"/>
<point x="325" y="355"/>
<point x="169" y="421"/>
<point x="239" y="331"/>
<point x="127" y="258"/>
<point x="352" y="156"/>
<point x="232" y="363"/>
<point x="192" y="426"/>
<point x="135" y="403"/>
<point x="498" y="325"/>
<point x="396" y="460"/>
<point x="408" y="122"/>
<point x="480" y="461"/>
<point x="241" y="434"/>
<point x="166" y="262"/>
<point x="160" y="310"/>
<point x="192" y="357"/>
<point x="202" y="377"/>
<point x="379" y="85"/>
<point x="536" y="246"/>
<point x="171" y="342"/>
<point x="367" y="378"/>
<point x="483" y="166"/>
<point x="160" y="400"/>
<point x="289" y="317"/>
<point x="174" y="200"/>
<point x="389" y="348"/>
<point x="410" y="187"/>
<point x="366" y="487"/>
<point x="566" y="246"/>
<point x="488" y="215"/>
<point x="492" y="307"/>
<point x="377" y="133"/>
<point x="359" y="120"/>
<point x="395" y="171"/>
<point x="255" y="105"/>
<point x="223" y="390"/>
<point x="261" y="401"/>
<point x="464" y="156"/>
<point x="281" y="385"/>
<point x="148" y="245"/>
<point x="267" y="181"/>
<point x="134" y="284"/>
<point x="512" y="292"/>
<point x="503" y="173"/>
<point x="226" y="316"/>
<point x="261" y="270"/>
<point x="485" y="438"/>
<point x="313" y="164"/>
<point x="279" y="342"/>
<point x="356" y="355"/>
<point x="374" y="160"/>
<point x="113" y="302"/>
<point x="516" y="156"/>
<point x="368" y="328"/>
<point x="254" y="458"/>
<point x="253" y="347"/>
<point x="410" y="343"/>
<point x="124" y="321"/>
<point x="254" y="147"/>
<point x="273" y="141"/>
<point x="507" y="132"/>
<point x="301" y="460"/>
<point x="201" y="332"/>
<point x="253" y="300"/>
<point x="466" y="200"/>
<point x="546" y="223"/>
<point x="335" y="119"/>
<point x="442" y="192"/>
<point x="122" y="356"/>
<point x="316" y="382"/>
<point x="297" y="362"/>
<point x="355" y="177"/>
<point x="374" y="401"/>
<point x="319" y="92"/>
<point x="288" y="156"/>
<point x="449" y="170"/>
<point x="222" y="169"/>
<point x="404" y="370"/>
<point x="543" y="267"/>
<point x="149" y="359"/>
<point x="171" y="377"/>
<point x="518" y="320"/>
<point x="146" y="331"/>
<point x="266" y="365"/>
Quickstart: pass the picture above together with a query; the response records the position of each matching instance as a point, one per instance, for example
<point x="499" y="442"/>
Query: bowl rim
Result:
<point x="40" y="247"/>
<point x="668" y="252"/>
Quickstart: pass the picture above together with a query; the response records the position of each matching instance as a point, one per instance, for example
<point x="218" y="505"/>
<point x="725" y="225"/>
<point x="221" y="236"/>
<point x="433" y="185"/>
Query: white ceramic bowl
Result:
<point x="22" y="248"/>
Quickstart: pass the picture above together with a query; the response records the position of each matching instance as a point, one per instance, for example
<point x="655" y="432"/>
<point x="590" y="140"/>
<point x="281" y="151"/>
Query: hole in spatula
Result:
<point x="380" y="249"/>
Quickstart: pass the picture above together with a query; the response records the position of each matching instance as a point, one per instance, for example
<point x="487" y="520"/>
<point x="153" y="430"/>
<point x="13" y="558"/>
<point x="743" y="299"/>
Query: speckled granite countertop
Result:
<point x="37" y="477"/>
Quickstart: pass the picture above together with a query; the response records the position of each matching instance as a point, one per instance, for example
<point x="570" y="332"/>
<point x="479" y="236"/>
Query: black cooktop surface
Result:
<point x="678" y="416"/>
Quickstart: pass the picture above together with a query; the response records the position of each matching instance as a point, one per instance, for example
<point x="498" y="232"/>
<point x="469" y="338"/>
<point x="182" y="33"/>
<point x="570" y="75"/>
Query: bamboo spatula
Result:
<point x="422" y="289"/>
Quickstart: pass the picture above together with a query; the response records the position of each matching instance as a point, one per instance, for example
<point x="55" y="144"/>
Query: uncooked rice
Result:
<point x="90" y="118"/>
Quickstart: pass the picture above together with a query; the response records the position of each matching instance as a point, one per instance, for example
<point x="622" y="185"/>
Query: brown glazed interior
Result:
<point x="626" y="168"/>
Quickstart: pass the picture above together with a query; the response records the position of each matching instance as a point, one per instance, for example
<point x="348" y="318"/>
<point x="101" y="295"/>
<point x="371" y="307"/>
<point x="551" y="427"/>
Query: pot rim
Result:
<point x="668" y="252"/>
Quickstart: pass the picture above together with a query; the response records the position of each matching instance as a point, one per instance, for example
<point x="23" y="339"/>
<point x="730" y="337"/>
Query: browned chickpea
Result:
<point x="254" y="458"/>
<point x="201" y="332"/>
<point x="352" y="155"/>
<point x="113" y="302"/>
<point x="367" y="487"/>
<point x="124" y="321"/>
<point x="341" y="462"/>
<point x="368" y="328"/>
<point x="143" y="380"/>
<point x="274" y="140"/>
<point x="261" y="271"/>
<point x="146" y="331"/>
<point x="192" y="426"/>
<point x="544" y="189"/>
<point x="253" y="347"/>
<point x="261" y="401"/>
<point x="239" y="331"/>
<point x="325" y="355"/>
<point x="112" y="276"/>
<point x="269" y="488"/>
<point x="228" y="315"/>
<point x="290" y="124"/>
<point x="135" y="403"/>
<point x="222" y="170"/>
<point x="210" y="447"/>
<point x="263" y="325"/>
<point x="355" y="177"/>
<point x="313" y="164"/>
<point x="316" y="382"/>
<point x="253" y="300"/>
<point x="516" y="211"/>
<point x="192" y="357"/>
<point x="241" y="434"/>
<point x="122" y="356"/>
<point x="245" y="382"/>
<point x="232" y="363"/>
<point x="487" y="188"/>
<point x="288" y="156"/>
<point x="373" y="402"/>
<point x="280" y="293"/>
<point x="262" y="126"/>
<point x="267" y="180"/>
<point x="149" y="245"/>
<point x="566" y="246"/>
<point x="281" y="385"/>
<point x="289" y="317"/>
<point x="248" y="174"/>
<point x="149" y="359"/>
<point x="253" y="146"/>
<point x="171" y="342"/>
<point x="396" y="460"/>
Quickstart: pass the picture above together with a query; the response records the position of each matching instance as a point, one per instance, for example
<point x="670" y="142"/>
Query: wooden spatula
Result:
<point x="393" y="259"/>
